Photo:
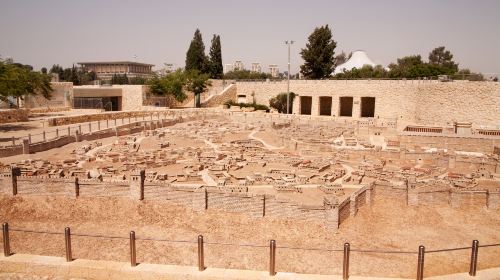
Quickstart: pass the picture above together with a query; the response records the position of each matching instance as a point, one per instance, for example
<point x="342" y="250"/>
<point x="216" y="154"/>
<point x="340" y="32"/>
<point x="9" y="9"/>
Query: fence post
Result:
<point x="115" y="121"/>
<point x="133" y="261"/>
<point x="80" y="128"/>
<point x="345" y="267"/>
<point x="473" y="258"/>
<point x="57" y="132"/>
<point x="44" y="136"/>
<point x="107" y="123"/>
<point x="272" y="257"/>
<point x="420" y="263"/>
<point x="6" y="240"/>
<point x="201" y="254"/>
<point x="90" y="127"/>
<point x="69" y="130"/>
<point x="13" y="141"/>
<point x="29" y="138"/>
<point x="67" y="239"/>
<point x="98" y="125"/>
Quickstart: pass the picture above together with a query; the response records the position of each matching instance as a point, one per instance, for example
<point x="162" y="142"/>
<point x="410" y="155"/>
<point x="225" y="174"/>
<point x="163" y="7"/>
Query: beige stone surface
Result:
<point x="423" y="102"/>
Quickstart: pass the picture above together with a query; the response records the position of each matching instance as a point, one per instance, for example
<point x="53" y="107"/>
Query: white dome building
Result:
<point x="358" y="59"/>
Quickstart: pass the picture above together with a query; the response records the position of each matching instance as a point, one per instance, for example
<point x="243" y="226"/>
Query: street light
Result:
<point x="288" y="43"/>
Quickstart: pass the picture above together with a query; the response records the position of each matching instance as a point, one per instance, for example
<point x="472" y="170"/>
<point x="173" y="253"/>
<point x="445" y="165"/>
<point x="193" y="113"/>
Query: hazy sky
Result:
<point x="44" y="32"/>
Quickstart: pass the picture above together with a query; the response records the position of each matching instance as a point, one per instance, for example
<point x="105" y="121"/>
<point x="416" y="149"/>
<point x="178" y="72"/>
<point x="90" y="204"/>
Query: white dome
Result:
<point x="357" y="60"/>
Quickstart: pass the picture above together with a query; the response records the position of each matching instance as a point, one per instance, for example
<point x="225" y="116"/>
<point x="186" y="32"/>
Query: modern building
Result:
<point x="228" y="67"/>
<point x="358" y="59"/>
<point x="256" y="67"/>
<point x="274" y="70"/>
<point x="106" y="70"/>
<point x="238" y="66"/>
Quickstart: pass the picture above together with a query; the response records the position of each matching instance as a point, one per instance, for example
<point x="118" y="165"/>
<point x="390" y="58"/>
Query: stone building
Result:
<point x="274" y="70"/>
<point x="238" y="65"/>
<point x="256" y="67"/>
<point x="106" y="70"/>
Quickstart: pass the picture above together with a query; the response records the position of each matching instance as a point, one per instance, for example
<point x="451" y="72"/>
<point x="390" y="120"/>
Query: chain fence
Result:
<point x="272" y="246"/>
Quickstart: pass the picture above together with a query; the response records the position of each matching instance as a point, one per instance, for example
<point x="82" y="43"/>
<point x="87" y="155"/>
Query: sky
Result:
<point x="46" y="32"/>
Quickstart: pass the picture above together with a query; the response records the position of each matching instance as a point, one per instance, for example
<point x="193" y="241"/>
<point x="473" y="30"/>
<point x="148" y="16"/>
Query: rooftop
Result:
<point x="116" y="62"/>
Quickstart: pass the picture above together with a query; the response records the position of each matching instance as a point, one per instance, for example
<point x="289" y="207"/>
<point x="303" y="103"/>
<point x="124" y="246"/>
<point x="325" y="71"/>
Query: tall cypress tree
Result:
<point x="195" y="56"/>
<point x="216" y="69"/>
<point x="319" y="54"/>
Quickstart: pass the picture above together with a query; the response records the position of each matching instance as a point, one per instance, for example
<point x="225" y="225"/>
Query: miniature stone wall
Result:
<point x="479" y="144"/>
<point x="442" y="197"/>
<point x="13" y="115"/>
<point x="102" y="116"/>
<point x="11" y="150"/>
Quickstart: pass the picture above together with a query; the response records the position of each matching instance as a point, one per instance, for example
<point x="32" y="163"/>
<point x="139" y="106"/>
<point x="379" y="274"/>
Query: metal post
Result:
<point x="6" y="240"/>
<point x="345" y="267"/>
<point x="201" y="254"/>
<point x="289" y="43"/>
<point x="107" y="123"/>
<point x="67" y="239"/>
<point x="420" y="264"/>
<point x="80" y="128"/>
<point x="13" y="141"/>
<point x="29" y="138"/>
<point x="98" y="125"/>
<point x="133" y="261"/>
<point x="69" y="130"/>
<point x="272" y="257"/>
<point x="44" y="136"/>
<point x="115" y="121"/>
<point x="90" y="127"/>
<point x="473" y="258"/>
<point x="57" y="132"/>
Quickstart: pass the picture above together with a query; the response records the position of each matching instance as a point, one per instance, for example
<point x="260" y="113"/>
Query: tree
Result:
<point x="365" y="72"/>
<point x="246" y="75"/>
<point x="138" y="81"/>
<point x="170" y="84"/>
<point x="197" y="83"/>
<point x="444" y="59"/>
<point x="17" y="81"/>
<point x="117" y="79"/>
<point x="195" y="56"/>
<point x="279" y="102"/>
<point x="341" y="58"/>
<point x="43" y="70"/>
<point x="57" y="69"/>
<point x="407" y="67"/>
<point x="216" y="69"/>
<point x="318" y="54"/>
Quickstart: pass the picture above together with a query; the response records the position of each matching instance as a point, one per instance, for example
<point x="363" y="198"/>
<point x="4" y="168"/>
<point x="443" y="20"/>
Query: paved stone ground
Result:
<point x="34" y="267"/>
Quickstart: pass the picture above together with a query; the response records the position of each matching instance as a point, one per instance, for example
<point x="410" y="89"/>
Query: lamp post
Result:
<point x="288" y="43"/>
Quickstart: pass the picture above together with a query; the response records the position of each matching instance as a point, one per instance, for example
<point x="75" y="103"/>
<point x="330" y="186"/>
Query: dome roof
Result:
<point x="358" y="60"/>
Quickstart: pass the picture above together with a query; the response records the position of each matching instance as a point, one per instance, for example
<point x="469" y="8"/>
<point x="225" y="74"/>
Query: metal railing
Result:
<point x="82" y="128"/>
<point x="272" y="249"/>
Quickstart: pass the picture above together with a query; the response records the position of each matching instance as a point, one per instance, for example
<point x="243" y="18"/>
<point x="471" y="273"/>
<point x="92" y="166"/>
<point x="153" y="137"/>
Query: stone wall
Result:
<point x="410" y="102"/>
<point x="61" y="97"/>
<point x="229" y="94"/>
<point x="102" y="116"/>
<point x="197" y="197"/>
<point x="13" y="115"/>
